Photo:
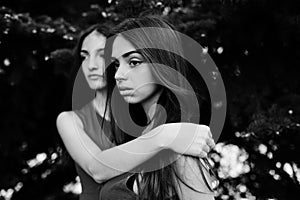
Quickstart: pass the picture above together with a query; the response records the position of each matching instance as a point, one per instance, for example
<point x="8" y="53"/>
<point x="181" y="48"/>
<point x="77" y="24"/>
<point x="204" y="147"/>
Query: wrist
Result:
<point x="177" y="136"/>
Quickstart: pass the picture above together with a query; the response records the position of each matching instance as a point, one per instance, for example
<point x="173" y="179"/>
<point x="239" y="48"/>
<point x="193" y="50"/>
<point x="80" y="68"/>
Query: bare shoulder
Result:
<point x="195" y="177"/>
<point x="68" y="118"/>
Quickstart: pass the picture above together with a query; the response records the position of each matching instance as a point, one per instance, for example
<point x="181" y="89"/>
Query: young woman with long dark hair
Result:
<point x="149" y="73"/>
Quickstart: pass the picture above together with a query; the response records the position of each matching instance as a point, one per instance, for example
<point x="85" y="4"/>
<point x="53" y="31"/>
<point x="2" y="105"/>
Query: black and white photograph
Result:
<point x="149" y="100"/>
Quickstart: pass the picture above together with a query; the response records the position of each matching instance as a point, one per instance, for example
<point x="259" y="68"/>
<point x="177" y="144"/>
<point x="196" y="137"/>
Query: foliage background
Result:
<point x="255" y="44"/>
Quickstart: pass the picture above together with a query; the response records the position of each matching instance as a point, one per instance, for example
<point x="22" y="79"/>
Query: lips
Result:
<point x="124" y="88"/>
<point x="125" y="91"/>
<point x="94" y="76"/>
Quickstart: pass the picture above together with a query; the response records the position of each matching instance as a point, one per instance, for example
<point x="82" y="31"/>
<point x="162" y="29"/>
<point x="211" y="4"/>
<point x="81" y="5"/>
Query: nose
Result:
<point x="96" y="64"/>
<point x="92" y="64"/>
<point x="120" y="74"/>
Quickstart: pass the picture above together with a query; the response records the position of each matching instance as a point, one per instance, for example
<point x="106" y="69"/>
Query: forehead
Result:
<point x="121" y="46"/>
<point x="94" y="40"/>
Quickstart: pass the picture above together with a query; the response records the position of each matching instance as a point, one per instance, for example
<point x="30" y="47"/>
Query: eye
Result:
<point x="82" y="57"/>
<point x="101" y="55"/>
<point x="115" y="64"/>
<point x="135" y="63"/>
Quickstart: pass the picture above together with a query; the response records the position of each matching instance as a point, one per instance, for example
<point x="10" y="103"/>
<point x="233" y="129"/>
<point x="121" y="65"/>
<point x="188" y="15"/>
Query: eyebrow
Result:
<point x="125" y="55"/>
<point x="85" y="51"/>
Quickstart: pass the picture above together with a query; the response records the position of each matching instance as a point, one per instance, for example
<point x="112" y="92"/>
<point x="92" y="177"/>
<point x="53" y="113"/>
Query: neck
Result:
<point x="150" y="105"/>
<point x="100" y="102"/>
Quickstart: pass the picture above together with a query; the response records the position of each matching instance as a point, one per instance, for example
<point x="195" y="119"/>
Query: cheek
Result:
<point x="101" y="61"/>
<point x="152" y="88"/>
<point x="84" y="68"/>
<point x="147" y="90"/>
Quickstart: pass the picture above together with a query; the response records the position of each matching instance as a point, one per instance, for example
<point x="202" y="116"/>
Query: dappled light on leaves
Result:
<point x="255" y="46"/>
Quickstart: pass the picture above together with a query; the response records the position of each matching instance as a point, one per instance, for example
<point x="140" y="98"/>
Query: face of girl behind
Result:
<point x="93" y="65"/>
<point x="134" y="77"/>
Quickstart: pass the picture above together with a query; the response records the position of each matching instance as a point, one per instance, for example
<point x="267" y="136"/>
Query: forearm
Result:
<point x="103" y="165"/>
<point x="123" y="158"/>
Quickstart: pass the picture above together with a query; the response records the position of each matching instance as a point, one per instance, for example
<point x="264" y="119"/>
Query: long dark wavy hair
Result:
<point x="104" y="29"/>
<point x="160" y="46"/>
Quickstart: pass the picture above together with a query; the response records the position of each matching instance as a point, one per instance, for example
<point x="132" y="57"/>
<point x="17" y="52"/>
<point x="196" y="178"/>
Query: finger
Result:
<point x="205" y="148"/>
<point x="210" y="142"/>
<point x="202" y="154"/>
<point x="209" y="133"/>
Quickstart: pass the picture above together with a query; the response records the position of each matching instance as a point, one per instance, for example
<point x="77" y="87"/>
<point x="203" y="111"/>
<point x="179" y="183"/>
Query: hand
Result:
<point x="187" y="138"/>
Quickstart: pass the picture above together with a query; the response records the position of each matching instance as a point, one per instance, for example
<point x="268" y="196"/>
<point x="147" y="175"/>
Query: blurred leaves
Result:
<point x="255" y="44"/>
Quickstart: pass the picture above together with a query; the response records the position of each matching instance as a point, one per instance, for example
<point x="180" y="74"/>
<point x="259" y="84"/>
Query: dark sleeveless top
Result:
<point x="91" y="189"/>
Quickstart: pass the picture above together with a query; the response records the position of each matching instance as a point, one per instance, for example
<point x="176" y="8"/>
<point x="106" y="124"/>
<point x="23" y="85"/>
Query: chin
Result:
<point x="97" y="85"/>
<point x="131" y="100"/>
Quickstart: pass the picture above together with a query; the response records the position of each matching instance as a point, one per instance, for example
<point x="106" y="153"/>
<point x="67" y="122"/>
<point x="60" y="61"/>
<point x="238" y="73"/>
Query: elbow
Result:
<point x="97" y="175"/>
<point x="102" y="174"/>
<point x="98" y="178"/>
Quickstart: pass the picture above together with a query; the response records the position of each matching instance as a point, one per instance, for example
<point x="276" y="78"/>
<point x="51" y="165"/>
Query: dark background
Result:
<point x="255" y="44"/>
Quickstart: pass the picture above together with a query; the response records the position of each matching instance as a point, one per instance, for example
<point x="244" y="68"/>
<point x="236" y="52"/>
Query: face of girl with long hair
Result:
<point x="133" y="76"/>
<point x="93" y="65"/>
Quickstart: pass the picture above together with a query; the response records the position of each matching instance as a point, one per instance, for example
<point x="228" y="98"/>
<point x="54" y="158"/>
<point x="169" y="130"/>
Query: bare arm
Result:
<point x="103" y="165"/>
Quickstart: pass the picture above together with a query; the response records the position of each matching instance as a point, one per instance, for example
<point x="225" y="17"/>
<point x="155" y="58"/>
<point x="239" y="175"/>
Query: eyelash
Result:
<point x="137" y="63"/>
<point x="115" y="64"/>
<point x="82" y="57"/>
<point x="132" y="63"/>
